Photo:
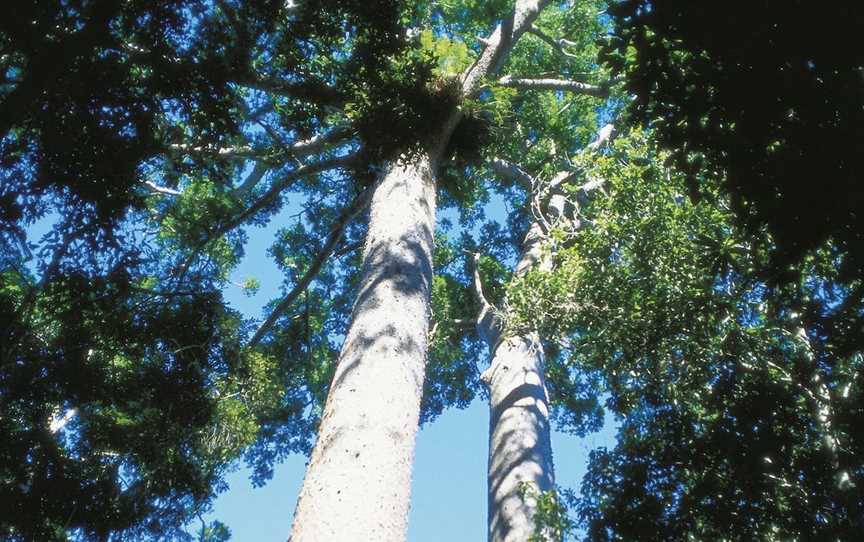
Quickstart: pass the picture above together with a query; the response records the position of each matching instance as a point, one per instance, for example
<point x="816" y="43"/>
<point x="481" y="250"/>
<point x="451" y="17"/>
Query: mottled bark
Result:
<point x="358" y="483"/>
<point x="521" y="466"/>
<point x="357" y="486"/>
<point x="520" y="448"/>
<point x="563" y="85"/>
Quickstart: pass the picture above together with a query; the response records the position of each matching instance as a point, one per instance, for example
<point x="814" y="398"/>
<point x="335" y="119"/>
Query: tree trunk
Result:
<point x="520" y="449"/>
<point x="520" y="446"/>
<point x="358" y="483"/>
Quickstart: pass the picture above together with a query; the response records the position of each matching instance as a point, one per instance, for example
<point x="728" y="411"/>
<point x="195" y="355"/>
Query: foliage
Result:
<point x="551" y="522"/>
<point x="63" y="135"/>
<point x="112" y="321"/>
<point x="452" y="378"/>
<point x="135" y="374"/>
<point x="740" y="414"/>
<point x="771" y="100"/>
<point x="739" y="393"/>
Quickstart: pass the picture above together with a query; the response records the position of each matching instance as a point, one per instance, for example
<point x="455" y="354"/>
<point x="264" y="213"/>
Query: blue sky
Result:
<point x="449" y="488"/>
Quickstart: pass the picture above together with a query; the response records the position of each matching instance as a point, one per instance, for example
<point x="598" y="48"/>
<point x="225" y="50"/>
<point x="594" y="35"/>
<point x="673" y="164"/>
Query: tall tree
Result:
<point x="521" y="469"/>
<point x="547" y="121"/>
<point x="279" y="102"/>
<point x="128" y="388"/>
<point x="358" y="482"/>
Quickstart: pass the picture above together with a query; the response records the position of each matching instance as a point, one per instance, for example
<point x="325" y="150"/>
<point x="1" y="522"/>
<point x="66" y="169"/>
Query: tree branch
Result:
<point x="272" y="194"/>
<point x="604" y="136"/>
<point x="565" y="85"/>
<point x="243" y="151"/>
<point x="348" y="249"/>
<point x="313" y="91"/>
<point x="557" y="45"/>
<point x="273" y="155"/>
<point x="156" y="189"/>
<point x="333" y="240"/>
<point x="489" y="323"/>
<point x="499" y="44"/>
<point x="511" y="172"/>
<point x="316" y="143"/>
<point x="258" y="171"/>
<point x="268" y="198"/>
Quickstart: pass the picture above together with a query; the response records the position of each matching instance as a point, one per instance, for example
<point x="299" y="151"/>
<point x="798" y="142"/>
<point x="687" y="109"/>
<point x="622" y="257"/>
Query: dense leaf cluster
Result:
<point x="89" y="90"/>
<point x="740" y="418"/>
<point x="768" y="94"/>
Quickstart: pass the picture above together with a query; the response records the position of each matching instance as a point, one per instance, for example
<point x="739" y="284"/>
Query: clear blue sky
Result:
<point x="449" y="489"/>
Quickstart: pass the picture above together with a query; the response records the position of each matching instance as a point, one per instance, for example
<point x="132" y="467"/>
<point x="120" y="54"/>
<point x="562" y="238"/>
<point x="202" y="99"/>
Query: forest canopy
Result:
<point x="681" y="248"/>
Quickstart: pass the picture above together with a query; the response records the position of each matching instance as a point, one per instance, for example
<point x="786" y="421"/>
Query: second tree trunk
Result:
<point x="520" y="449"/>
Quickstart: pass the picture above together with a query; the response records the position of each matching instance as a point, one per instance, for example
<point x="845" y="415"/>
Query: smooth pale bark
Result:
<point x="564" y="85"/>
<point x="358" y="483"/>
<point x="520" y="449"/>
<point x="520" y="446"/>
<point x="521" y="466"/>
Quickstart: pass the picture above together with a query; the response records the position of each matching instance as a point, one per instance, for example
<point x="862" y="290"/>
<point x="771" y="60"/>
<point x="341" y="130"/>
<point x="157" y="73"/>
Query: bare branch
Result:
<point x="557" y="45"/>
<point x="565" y="85"/>
<point x="489" y="323"/>
<point x="258" y="171"/>
<point x="243" y="151"/>
<point x="511" y="172"/>
<point x="604" y="136"/>
<point x="561" y="178"/>
<point x="499" y="43"/>
<point x="272" y="194"/>
<point x="272" y="155"/>
<point x="333" y="240"/>
<point x="156" y="189"/>
<point x="268" y="198"/>
<point x="316" y="143"/>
